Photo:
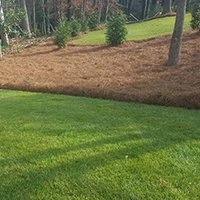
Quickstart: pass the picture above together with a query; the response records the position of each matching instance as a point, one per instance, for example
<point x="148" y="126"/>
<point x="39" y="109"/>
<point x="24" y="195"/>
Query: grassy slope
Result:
<point x="137" y="31"/>
<point x="59" y="147"/>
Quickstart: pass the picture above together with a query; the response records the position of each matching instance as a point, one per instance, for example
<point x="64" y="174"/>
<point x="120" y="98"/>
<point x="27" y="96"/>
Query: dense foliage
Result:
<point x="84" y="25"/>
<point x="195" y="23"/>
<point x="36" y="18"/>
<point x="13" y="18"/>
<point x="75" y="27"/>
<point x="93" y="22"/>
<point x="116" y="30"/>
<point x="62" y="33"/>
<point x="43" y="15"/>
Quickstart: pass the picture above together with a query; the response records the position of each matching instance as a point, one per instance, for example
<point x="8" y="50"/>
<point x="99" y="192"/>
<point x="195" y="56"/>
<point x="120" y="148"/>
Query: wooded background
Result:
<point x="41" y="16"/>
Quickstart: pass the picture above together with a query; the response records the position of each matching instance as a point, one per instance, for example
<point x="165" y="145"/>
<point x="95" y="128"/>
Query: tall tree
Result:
<point x="34" y="16"/>
<point x="175" y="45"/>
<point x="83" y="8"/>
<point x="3" y="34"/>
<point x="107" y="9"/>
<point x="26" y="24"/>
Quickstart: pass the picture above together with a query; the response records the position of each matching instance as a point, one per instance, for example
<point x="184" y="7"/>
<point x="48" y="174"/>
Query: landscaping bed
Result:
<point x="134" y="71"/>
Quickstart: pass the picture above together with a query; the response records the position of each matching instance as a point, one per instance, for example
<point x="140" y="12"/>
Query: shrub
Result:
<point x="116" y="30"/>
<point x="93" y="22"/>
<point x="84" y="25"/>
<point x="13" y="18"/>
<point x="195" y="23"/>
<point x="15" y="33"/>
<point x="75" y="27"/>
<point x="62" y="33"/>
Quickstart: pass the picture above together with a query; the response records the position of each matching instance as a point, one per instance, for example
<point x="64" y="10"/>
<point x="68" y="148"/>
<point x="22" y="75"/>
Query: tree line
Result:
<point x="40" y="17"/>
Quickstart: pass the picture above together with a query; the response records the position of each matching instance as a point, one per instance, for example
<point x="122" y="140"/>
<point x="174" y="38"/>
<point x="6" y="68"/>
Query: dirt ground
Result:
<point x="134" y="71"/>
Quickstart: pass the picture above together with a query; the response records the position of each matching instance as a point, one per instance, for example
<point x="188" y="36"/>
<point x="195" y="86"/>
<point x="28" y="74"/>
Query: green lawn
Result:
<point x="61" y="147"/>
<point x="136" y="31"/>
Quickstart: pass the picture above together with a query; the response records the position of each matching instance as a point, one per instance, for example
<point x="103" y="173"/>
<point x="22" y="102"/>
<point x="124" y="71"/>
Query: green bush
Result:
<point x="195" y="23"/>
<point x="62" y="33"/>
<point x="93" y="22"/>
<point x="84" y="25"/>
<point x="116" y="30"/>
<point x="13" y="18"/>
<point x="75" y="27"/>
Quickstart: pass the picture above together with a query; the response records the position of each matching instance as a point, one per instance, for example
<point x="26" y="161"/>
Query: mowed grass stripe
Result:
<point x="136" y="31"/>
<point x="62" y="147"/>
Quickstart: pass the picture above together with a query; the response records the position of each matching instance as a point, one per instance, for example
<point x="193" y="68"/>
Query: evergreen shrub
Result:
<point x="195" y="23"/>
<point x="93" y="22"/>
<point x="75" y="27"/>
<point x="116" y="30"/>
<point x="84" y="25"/>
<point x="62" y="33"/>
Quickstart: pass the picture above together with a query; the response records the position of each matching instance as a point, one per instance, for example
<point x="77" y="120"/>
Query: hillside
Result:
<point x="134" y="71"/>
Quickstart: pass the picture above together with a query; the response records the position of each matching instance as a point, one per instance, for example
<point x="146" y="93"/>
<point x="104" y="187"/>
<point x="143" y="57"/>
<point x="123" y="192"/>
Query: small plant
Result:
<point x="116" y="30"/>
<point x="195" y="23"/>
<point x="75" y="27"/>
<point x="62" y="33"/>
<point x="84" y="25"/>
<point x="12" y="20"/>
<point x="93" y="22"/>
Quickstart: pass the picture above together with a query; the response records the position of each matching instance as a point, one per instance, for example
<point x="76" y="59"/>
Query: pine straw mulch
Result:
<point x="134" y="71"/>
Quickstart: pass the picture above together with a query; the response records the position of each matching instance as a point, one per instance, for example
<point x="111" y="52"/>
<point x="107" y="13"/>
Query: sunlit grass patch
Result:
<point x="136" y="31"/>
<point x="61" y="147"/>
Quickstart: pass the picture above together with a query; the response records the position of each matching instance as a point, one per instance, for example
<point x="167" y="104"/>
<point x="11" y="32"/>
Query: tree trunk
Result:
<point x="3" y="34"/>
<point x="83" y="10"/>
<point x="167" y="6"/>
<point x="44" y="18"/>
<point x="26" y="25"/>
<point x="69" y="8"/>
<point x="94" y="3"/>
<point x="107" y="9"/>
<point x="175" y="45"/>
<point x="34" y="17"/>
<point x="146" y="9"/>
<point x="100" y="6"/>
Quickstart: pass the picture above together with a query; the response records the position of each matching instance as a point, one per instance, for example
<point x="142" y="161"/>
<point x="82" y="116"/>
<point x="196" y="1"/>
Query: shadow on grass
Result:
<point x="26" y="184"/>
<point x="33" y="173"/>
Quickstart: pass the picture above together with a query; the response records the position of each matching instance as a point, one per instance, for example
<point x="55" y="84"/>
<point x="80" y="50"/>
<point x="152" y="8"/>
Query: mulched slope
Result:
<point x="134" y="71"/>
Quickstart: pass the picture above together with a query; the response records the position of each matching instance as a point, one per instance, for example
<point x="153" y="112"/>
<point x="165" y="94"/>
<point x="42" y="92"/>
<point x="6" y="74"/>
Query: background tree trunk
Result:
<point x="3" y="34"/>
<point x="107" y="9"/>
<point x="83" y="9"/>
<point x="175" y="45"/>
<point x="34" y="17"/>
<point x="69" y="9"/>
<point x="26" y="24"/>
<point x="44" y="26"/>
